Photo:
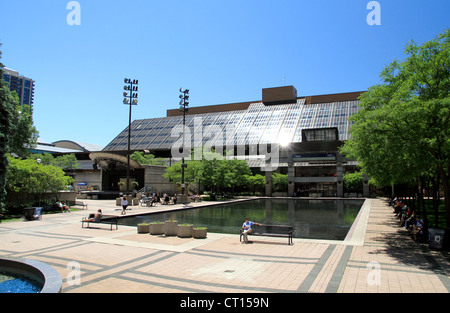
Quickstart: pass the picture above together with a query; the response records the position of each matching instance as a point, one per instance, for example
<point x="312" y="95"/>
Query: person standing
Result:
<point x="124" y="205"/>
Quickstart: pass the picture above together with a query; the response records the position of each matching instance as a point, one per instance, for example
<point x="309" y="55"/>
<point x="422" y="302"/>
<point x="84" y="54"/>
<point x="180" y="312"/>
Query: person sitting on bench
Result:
<point x="94" y="217"/>
<point x="247" y="227"/>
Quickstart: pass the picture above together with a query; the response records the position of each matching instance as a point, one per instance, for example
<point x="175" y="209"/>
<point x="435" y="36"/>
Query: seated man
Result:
<point x="174" y="199"/>
<point x="418" y="229"/>
<point x="63" y="207"/>
<point x="94" y="217"/>
<point x="143" y="199"/>
<point x="247" y="227"/>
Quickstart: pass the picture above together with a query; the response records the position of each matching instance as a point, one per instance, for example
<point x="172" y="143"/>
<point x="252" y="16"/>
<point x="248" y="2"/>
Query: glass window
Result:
<point x="273" y="125"/>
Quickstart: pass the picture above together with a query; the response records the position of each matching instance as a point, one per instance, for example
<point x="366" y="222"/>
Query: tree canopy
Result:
<point x="65" y="161"/>
<point x="402" y="130"/>
<point x="146" y="159"/>
<point x="27" y="176"/>
<point x="17" y="133"/>
<point x="213" y="171"/>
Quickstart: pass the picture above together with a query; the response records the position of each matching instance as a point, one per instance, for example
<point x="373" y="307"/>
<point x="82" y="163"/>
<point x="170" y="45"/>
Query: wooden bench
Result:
<point x="111" y="220"/>
<point x="81" y="203"/>
<point x="272" y="231"/>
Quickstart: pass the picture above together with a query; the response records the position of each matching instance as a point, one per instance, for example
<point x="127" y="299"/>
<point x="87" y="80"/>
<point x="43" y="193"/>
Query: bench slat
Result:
<point x="109" y="221"/>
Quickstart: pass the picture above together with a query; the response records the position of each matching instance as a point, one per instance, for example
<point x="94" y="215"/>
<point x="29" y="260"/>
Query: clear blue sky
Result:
<point x="223" y="51"/>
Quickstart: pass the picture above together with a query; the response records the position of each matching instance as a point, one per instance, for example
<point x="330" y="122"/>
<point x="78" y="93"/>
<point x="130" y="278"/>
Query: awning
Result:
<point x="98" y="157"/>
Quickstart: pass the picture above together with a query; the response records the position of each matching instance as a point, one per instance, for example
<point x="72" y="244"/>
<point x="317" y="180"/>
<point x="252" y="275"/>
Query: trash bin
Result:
<point x="29" y="212"/>
<point x="32" y="214"/>
<point x="37" y="213"/>
<point x="436" y="238"/>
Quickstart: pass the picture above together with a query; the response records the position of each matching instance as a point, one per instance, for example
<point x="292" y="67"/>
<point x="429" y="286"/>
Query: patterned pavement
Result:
<point x="376" y="257"/>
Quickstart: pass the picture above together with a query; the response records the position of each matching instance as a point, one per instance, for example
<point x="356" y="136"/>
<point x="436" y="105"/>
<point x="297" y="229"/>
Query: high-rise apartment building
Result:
<point x="22" y="85"/>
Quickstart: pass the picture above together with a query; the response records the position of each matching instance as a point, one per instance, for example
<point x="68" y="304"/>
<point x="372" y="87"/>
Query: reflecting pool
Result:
<point x="311" y="219"/>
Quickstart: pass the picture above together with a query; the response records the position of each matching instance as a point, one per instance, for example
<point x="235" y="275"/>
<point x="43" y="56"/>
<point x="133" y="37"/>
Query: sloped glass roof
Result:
<point x="258" y="124"/>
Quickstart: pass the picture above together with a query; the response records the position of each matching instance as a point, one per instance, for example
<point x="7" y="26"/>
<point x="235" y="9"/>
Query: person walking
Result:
<point x="124" y="205"/>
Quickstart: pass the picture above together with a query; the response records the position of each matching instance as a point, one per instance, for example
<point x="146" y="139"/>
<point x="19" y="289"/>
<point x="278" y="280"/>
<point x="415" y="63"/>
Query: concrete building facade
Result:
<point x="306" y="133"/>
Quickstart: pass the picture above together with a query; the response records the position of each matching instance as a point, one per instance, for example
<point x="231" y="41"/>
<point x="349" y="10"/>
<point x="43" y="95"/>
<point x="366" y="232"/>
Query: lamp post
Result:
<point x="130" y="98"/>
<point x="184" y="102"/>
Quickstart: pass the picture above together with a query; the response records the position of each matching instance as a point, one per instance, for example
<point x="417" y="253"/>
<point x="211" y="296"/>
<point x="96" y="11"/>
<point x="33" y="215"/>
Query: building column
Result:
<point x="268" y="183"/>
<point x="340" y="179"/>
<point x="291" y="179"/>
<point x="366" y="190"/>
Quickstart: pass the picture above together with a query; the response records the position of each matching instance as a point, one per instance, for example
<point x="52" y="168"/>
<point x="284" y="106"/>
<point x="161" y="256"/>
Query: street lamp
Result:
<point x="184" y="103"/>
<point x="130" y="98"/>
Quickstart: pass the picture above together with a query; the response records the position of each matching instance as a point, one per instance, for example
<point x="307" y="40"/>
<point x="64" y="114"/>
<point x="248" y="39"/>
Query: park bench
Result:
<point x="106" y="219"/>
<point x="81" y="203"/>
<point x="272" y="231"/>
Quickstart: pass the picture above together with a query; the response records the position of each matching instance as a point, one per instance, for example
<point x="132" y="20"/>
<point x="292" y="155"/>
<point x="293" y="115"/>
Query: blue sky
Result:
<point x="223" y="51"/>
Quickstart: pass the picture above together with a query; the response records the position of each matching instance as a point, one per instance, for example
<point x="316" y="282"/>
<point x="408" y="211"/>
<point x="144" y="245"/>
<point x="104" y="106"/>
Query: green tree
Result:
<point x="146" y="159"/>
<point x="6" y="108"/>
<point x="353" y="182"/>
<point x="27" y="176"/>
<point x="66" y="161"/>
<point x="402" y="131"/>
<point x="24" y="134"/>
<point x="17" y="133"/>
<point x="256" y="182"/>
<point x="213" y="171"/>
<point x="46" y="158"/>
<point x="280" y="182"/>
<point x="6" y="126"/>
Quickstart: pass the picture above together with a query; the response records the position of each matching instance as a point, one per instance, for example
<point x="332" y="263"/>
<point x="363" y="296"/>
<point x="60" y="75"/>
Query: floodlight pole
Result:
<point x="132" y="87"/>
<point x="184" y="96"/>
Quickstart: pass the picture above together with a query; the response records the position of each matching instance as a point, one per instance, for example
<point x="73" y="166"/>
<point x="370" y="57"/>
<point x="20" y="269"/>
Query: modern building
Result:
<point x="23" y="86"/>
<point x="304" y="132"/>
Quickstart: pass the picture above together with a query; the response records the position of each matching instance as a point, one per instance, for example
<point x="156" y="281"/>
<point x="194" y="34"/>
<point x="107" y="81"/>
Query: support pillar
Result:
<point x="366" y="190"/>
<point x="340" y="180"/>
<point x="268" y="184"/>
<point x="291" y="179"/>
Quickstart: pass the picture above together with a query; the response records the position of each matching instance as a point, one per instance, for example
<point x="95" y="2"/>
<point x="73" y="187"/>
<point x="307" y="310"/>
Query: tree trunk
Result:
<point x="445" y="182"/>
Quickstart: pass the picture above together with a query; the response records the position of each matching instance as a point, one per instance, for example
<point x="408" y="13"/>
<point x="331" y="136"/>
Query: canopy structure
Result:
<point x="106" y="159"/>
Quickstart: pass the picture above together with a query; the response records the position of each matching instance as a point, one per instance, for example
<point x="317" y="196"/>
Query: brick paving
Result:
<point x="376" y="257"/>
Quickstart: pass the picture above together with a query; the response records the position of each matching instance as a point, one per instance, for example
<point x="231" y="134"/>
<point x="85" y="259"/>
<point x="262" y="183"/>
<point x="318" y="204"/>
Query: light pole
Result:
<point x="130" y="98"/>
<point x="184" y="103"/>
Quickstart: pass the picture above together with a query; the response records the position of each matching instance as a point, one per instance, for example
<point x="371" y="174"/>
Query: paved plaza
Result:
<point x="376" y="257"/>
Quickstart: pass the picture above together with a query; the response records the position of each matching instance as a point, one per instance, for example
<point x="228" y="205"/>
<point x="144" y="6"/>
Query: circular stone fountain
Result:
<point x="46" y="278"/>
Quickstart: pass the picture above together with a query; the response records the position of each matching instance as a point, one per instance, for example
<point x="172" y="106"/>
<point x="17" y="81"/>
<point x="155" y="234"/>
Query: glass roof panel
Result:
<point x="273" y="125"/>
<point x="290" y="122"/>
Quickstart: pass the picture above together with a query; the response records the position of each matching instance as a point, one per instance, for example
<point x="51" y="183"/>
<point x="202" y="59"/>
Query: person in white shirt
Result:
<point x="247" y="227"/>
<point x="124" y="205"/>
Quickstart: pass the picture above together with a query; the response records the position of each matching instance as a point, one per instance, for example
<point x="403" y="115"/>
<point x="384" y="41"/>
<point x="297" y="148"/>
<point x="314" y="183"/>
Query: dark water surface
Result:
<point x="312" y="219"/>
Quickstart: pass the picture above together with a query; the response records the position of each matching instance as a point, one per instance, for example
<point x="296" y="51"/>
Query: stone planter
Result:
<point x="156" y="228"/>
<point x="143" y="228"/>
<point x="118" y="201"/>
<point x="170" y="228"/>
<point x="199" y="232"/>
<point x="135" y="201"/>
<point x="185" y="230"/>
